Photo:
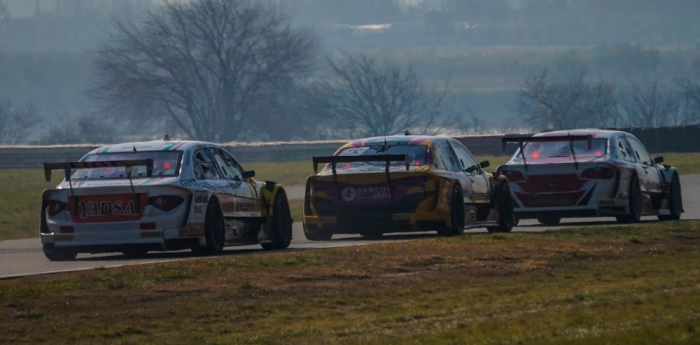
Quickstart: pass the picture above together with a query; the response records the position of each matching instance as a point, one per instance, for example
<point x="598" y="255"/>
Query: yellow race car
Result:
<point x="404" y="183"/>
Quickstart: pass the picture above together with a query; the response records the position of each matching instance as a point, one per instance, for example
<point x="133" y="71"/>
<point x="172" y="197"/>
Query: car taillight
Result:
<point x="514" y="176"/>
<point x="54" y="207"/>
<point x="598" y="174"/>
<point x="165" y="203"/>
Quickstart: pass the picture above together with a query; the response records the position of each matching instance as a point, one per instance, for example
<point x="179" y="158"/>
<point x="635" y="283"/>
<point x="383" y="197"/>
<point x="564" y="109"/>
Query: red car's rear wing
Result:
<point x="521" y="139"/>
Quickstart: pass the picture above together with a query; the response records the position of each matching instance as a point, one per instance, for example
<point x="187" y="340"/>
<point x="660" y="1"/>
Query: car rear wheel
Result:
<point x="635" y="203"/>
<point x="281" y="224"/>
<point x="213" y="231"/>
<point x="456" y="213"/>
<point x="549" y="221"/>
<point x="675" y="200"/>
<point x="506" y="214"/>
<point x="59" y="254"/>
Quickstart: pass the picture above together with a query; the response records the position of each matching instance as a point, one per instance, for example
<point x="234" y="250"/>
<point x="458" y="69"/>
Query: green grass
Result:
<point x="602" y="285"/>
<point x="21" y="188"/>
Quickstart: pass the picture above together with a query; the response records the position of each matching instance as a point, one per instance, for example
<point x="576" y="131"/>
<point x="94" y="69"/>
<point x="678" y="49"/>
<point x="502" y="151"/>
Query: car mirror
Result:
<point x="249" y="174"/>
<point x="485" y="164"/>
<point x="659" y="160"/>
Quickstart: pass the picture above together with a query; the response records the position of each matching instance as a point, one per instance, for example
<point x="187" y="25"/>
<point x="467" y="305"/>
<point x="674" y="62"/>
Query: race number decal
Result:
<point x="107" y="208"/>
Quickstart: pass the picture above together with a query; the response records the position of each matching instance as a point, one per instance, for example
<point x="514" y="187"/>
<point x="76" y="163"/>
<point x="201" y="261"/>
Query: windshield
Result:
<point x="417" y="155"/>
<point x="165" y="164"/>
<point x="538" y="150"/>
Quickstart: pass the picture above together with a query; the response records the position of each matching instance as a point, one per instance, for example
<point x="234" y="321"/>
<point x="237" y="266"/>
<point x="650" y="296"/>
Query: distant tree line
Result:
<point x="575" y="101"/>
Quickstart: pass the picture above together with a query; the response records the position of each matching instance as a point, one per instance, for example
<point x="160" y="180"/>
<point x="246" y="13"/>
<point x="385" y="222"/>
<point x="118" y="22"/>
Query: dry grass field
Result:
<point x="601" y="285"/>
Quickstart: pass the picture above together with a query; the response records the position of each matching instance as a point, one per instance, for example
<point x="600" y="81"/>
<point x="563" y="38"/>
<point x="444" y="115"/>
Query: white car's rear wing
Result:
<point x="521" y="139"/>
<point x="68" y="168"/>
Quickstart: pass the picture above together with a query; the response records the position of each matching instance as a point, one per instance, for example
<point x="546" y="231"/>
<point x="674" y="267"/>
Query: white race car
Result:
<point x="160" y="195"/>
<point x="590" y="173"/>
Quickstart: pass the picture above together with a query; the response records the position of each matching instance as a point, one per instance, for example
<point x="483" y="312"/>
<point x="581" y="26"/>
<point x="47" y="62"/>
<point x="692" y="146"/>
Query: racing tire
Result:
<point x="506" y="213"/>
<point x="549" y="220"/>
<point x="372" y="235"/>
<point x="281" y="224"/>
<point x="675" y="200"/>
<point x="214" y="231"/>
<point x="456" y="213"/>
<point x="135" y="253"/>
<point x="635" y="203"/>
<point x="317" y="235"/>
<point x="59" y="254"/>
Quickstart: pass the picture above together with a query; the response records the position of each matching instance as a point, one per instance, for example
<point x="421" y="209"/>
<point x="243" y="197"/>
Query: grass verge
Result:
<point x="616" y="285"/>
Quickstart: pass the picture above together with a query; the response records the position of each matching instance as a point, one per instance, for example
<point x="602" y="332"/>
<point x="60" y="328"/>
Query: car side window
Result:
<point x="640" y="152"/>
<point x="448" y="157"/>
<point x="466" y="160"/>
<point x="624" y="150"/>
<point x="204" y="167"/>
<point x="232" y="170"/>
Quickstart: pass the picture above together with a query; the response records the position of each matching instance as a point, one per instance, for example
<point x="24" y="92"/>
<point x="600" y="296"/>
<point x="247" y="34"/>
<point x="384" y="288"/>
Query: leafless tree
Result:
<point x="16" y="124"/>
<point x="650" y="107"/>
<point x="376" y="96"/>
<point x="691" y="95"/>
<point x="203" y="64"/>
<point x="545" y="102"/>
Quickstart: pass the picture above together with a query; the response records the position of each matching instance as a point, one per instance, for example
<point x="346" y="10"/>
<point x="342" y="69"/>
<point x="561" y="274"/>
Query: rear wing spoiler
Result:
<point x="68" y="167"/>
<point x="521" y="139"/>
<point x="334" y="160"/>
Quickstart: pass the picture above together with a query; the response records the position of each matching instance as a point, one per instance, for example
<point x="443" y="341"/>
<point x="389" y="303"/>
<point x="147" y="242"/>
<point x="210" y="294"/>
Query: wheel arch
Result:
<point x="269" y="194"/>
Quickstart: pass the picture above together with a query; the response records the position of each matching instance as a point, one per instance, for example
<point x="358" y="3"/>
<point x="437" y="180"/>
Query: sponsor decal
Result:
<point x="366" y="193"/>
<point x="106" y="208"/>
<point x="247" y="207"/>
<point x="151" y="234"/>
<point x="228" y="206"/>
<point x="192" y="230"/>
<point x="201" y="197"/>
<point x="198" y="209"/>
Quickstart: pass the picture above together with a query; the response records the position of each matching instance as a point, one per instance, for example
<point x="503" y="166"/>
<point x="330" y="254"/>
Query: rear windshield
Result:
<point x="535" y="150"/>
<point x="165" y="164"/>
<point x="417" y="155"/>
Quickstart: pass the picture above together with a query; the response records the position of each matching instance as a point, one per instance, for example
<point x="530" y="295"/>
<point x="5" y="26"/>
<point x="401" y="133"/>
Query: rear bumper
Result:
<point x="605" y="208"/>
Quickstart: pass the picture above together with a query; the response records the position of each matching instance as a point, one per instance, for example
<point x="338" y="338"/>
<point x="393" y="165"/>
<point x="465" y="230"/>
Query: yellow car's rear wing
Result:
<point x="334" y="160"/>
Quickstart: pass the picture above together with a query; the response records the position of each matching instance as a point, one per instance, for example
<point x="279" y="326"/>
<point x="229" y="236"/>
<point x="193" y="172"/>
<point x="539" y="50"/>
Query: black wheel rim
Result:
<point x="507" y="209"/>
<point x="283" y="220"/>
<point x="458" y="210"/>
<point x="636" y="201"/>
<point x="677" y="197"/>
<point x="217" y="229"/>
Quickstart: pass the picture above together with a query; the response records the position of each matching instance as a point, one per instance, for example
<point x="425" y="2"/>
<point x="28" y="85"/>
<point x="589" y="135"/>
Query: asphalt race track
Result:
<point x="24" y="257"/>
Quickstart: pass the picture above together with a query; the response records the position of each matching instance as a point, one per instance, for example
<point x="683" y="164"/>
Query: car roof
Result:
<point x="596" y="133"/>
<point x="411" y="140"/>
<point x="154" y="145"/>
